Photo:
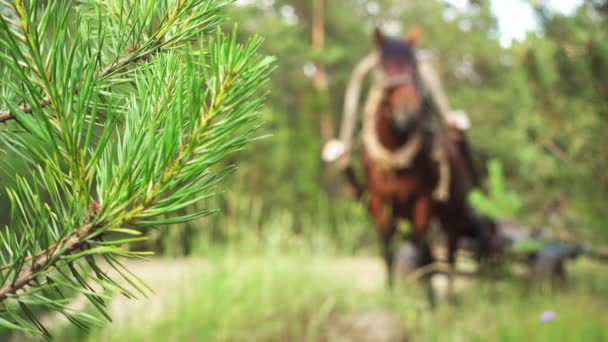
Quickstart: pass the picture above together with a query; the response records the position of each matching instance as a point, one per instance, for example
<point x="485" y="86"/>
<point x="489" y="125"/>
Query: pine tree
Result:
<point x="121" y="111"/>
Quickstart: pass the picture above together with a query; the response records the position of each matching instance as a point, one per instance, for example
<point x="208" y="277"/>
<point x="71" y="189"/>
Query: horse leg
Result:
<point x="452" y="248"/>
<point x="353" y="182"/>
<point x="385" y="224"/>
<point x="426" y="258"/>
<point x="421" y="217"/>
<point x="421" y="222"/>
<point x="387" y="253"/>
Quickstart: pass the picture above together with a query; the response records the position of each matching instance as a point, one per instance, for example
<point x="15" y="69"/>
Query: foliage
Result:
<point x="536" y="106"/>
<point x="121" y="111"/>
<point x="566" y="74"/>
<point x="499" y="202"/>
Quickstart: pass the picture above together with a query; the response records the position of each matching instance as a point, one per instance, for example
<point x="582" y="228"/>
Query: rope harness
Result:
<point x="403" y="157"/>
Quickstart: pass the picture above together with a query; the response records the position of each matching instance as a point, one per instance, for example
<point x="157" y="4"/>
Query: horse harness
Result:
<point x="403" y="157"/>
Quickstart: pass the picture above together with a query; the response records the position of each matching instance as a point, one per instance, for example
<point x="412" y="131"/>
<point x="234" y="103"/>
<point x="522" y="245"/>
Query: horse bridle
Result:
<point x="400" y="79"/>
<point x="388" y="83"/>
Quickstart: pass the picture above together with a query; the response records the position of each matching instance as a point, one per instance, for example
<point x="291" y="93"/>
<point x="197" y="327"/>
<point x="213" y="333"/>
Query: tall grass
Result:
<point x="297" y="297"/>
<point x="512" y="312"/>
<point x="274" y="298"/>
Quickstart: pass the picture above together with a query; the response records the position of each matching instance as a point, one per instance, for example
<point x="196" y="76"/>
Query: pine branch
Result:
<point x="148" y="48"/>
<point x="7" y="115"/>
<point x="44" y="260"/>
<point x="79" y="237"/>
<point x="182" y="113"/>
<point x="234" y="80"/>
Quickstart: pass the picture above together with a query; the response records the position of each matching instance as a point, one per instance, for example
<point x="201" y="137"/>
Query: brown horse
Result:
<point x="394" y="192"/>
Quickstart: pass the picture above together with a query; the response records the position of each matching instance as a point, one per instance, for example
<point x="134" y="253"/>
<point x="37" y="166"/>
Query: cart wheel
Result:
<point x="548" y="267"/>
<point x="410" y="257"/>
<point x="406" y="259"/>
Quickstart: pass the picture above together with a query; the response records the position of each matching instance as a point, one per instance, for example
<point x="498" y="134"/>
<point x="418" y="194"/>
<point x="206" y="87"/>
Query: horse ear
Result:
<point x="412" y="35"/>
<point x="378" y="37"/>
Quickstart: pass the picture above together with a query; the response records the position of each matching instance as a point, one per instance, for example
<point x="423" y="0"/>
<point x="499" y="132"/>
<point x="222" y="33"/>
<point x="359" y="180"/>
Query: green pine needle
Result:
<point x="127" y="106"/>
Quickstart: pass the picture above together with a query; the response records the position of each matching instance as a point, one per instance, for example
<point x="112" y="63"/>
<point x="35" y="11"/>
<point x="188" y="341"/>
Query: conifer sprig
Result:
<point x="128" y="105"/>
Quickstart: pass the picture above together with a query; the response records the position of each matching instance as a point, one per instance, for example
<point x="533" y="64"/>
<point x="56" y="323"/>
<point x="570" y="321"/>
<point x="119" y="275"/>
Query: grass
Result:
<point x="285" y="298"/>
<point x="511" y="312"/>
<point x="296" y="297"/>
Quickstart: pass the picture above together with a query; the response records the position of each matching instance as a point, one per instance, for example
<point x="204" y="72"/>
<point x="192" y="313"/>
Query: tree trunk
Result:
<point x="320" y="84"/>
<point x="320" y="77"/>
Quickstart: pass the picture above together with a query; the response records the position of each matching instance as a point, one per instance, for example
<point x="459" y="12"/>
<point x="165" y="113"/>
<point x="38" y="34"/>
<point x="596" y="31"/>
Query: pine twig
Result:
<point x="47" y="258"/>
<point x="7" y="115"/>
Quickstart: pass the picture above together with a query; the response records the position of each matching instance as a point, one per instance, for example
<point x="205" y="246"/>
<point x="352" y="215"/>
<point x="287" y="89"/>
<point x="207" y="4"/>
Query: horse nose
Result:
<point x="402" y="114"/>
<point x="405" y="105"/>
<point x="407" y="97"/>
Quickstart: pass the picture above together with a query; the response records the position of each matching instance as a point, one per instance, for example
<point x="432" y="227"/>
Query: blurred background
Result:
<point x="291" y="256"/>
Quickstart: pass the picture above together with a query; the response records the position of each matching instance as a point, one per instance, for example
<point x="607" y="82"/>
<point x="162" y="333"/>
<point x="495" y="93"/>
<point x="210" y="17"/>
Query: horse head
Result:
<point x="397" y="75"/>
